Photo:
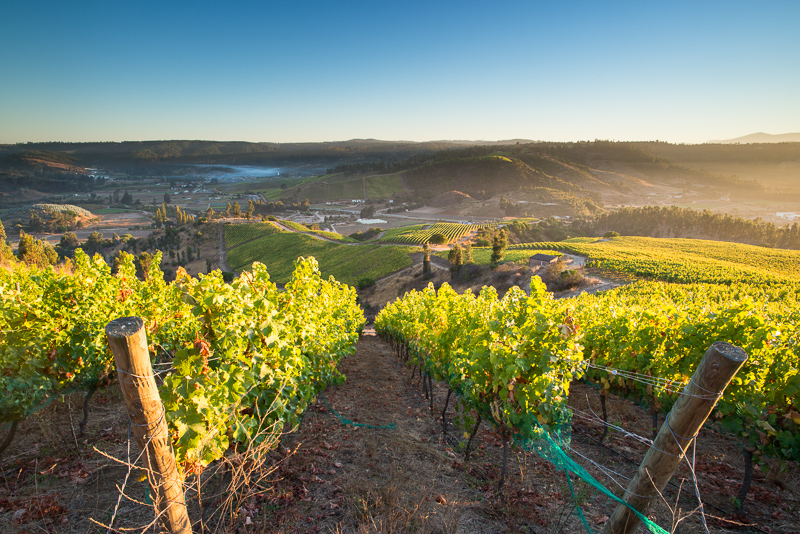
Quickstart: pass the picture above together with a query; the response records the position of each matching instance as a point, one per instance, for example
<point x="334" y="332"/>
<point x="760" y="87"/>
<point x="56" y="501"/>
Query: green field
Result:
<point x="346" y="263"/>
<point x="236" y="234"/>
<point x="342" y="187"/>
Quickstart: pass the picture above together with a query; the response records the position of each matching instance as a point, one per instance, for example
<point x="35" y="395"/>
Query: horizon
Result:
<point x="682" y="73"/>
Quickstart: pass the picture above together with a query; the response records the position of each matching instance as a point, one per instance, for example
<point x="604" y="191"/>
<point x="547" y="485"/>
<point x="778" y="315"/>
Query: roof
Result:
<point x="543" y="257"/>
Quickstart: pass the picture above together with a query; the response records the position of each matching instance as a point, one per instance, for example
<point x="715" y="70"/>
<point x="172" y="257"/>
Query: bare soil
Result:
<point x="393" y="472"/>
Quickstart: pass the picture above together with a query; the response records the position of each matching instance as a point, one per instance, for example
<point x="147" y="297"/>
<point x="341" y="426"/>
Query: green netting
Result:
<point x="533" y="437"/>
<point x="347" y="422"/>
<point x="551" y="450"/>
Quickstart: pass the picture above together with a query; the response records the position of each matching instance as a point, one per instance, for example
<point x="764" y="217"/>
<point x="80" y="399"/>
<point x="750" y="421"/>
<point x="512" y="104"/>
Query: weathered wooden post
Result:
<point x="718" y="366"/>
<point x="128" y="343"/>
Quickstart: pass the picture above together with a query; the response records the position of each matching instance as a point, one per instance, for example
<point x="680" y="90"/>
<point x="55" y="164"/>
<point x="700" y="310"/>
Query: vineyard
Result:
<point x="419" y="235"/>
<point x="239" y="363"/>
<point x="684" y="260"/>
<point x="236" y="359"/>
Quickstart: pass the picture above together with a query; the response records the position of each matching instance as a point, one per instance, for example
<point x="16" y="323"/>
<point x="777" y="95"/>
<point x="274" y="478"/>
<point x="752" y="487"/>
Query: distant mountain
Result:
<point x="760" y="137"/>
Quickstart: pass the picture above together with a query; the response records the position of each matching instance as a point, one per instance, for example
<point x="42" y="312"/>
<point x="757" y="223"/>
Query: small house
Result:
<point x="539" y="260"/>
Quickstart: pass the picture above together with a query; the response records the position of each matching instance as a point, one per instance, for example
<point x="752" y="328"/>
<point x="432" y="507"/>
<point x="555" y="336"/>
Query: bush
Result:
<point x="365" y="282"/>
<point x="611" y="234"/>
<point x="558" y="278"/>
<point x="438" y="239"/>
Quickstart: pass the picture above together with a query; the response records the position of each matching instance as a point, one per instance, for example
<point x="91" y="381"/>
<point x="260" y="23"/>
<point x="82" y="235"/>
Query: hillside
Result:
<point x="492" y="180"/>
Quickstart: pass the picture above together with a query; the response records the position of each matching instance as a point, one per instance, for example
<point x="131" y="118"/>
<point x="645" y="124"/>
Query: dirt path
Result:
<point x="366" y="479"/>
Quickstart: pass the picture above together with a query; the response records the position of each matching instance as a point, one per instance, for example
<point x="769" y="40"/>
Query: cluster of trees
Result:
<point x="656" y="221"/>
<point x="52" y="222"/>
<point x="258" y="208"/>
<point x="181" y="217"/>
<point x="366" y="235"/>
<point x="35" y="251"/>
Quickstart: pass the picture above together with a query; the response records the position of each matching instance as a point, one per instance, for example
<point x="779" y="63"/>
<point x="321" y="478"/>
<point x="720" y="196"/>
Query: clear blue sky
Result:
<point x="316" y="71"/>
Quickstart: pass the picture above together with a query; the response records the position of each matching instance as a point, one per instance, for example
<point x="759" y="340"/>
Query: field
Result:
<point x="237" y="234"/>
<point x="419" y="234"/>
<point x="685" y="260"/>
<point x="346" y="263"/>
<point x="342" y="187"/>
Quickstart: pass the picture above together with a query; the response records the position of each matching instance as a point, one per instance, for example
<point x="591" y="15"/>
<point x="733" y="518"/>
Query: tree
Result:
<point x="127" y="198"/>
<point x="456" y="258"/>
<point x="426" y="261"/>
<point x="36" y="252"/>
<point x="144" y="262"/>
<point x="468" y="251"/>
<point x="167" y="198"/>
<point x="499" y="244"/>
<point x="367" y="212"/>
<point x="210" y="213"/>
<point x="69" y="240"/>
<point x="5" y="250"/>
<point x="94" y="243"/>
<point x="228" y="210"/>
<point x="610" y="234"/>
<point x="36" y="223"/>
<point x="250" y="208"/>
<point x="236" y="210"/>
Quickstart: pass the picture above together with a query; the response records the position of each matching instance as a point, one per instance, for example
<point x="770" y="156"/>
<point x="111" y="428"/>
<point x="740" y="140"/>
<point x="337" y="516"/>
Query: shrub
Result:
<point x="438" y="239"/>
<point x="365" y="282"/>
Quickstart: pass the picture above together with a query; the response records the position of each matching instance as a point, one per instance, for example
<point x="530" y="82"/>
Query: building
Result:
<point x="538" y="260"/>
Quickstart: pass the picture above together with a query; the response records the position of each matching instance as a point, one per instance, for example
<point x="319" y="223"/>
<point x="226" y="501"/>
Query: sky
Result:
<point x="306" y="71"/>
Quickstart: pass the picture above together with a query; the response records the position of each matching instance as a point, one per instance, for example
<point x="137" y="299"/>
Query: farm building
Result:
<point x="537" y="260"/>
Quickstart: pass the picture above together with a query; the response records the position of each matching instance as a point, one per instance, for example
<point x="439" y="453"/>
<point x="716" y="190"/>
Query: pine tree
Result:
<point x="456" y="258"/>
<point x="499" y="247"/>
<point x="426" y="261"/>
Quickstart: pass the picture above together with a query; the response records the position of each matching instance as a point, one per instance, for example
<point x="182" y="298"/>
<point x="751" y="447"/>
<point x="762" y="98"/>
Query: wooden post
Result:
<point x="718" y="366"/>
<point x="128" y="343"/>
